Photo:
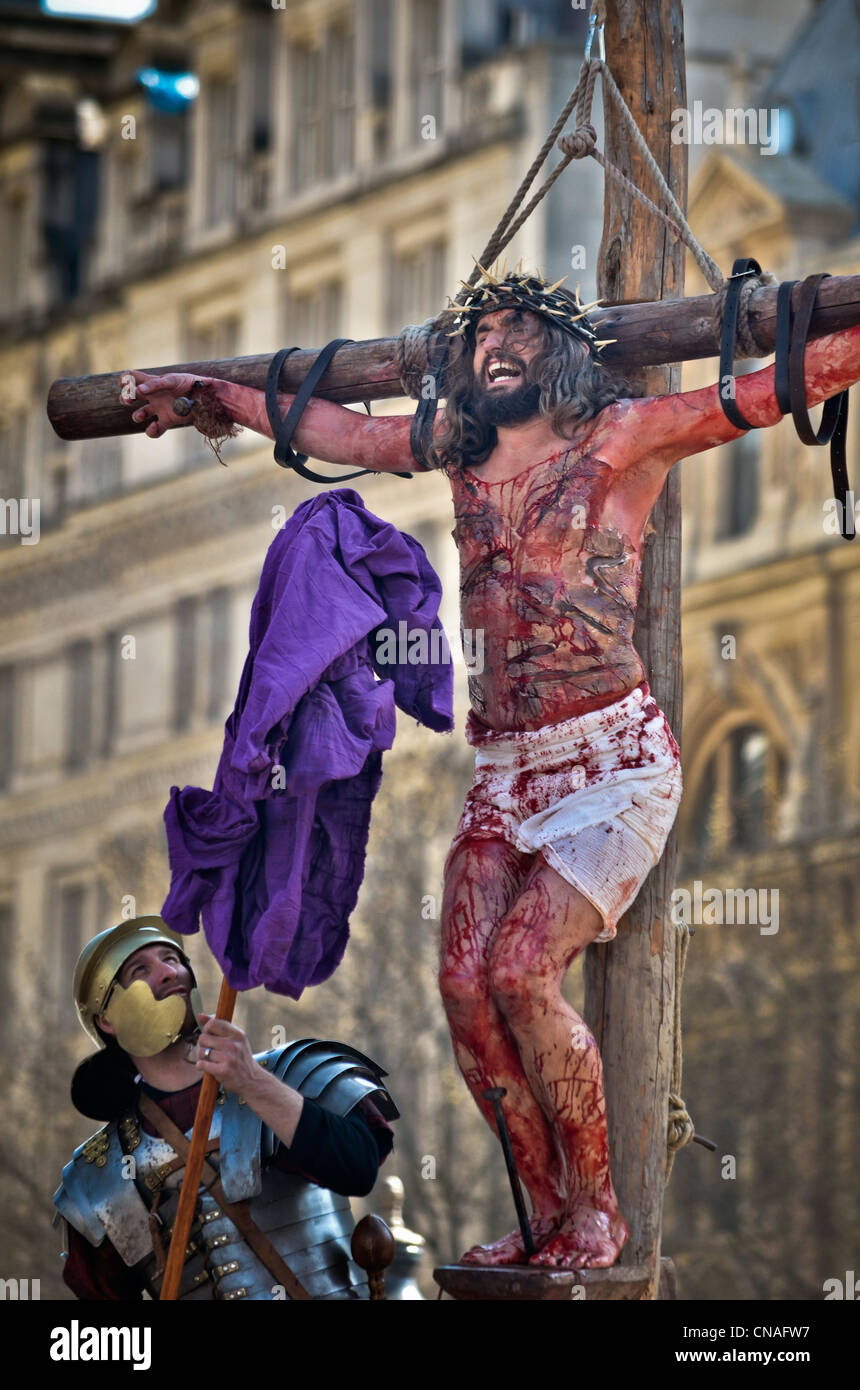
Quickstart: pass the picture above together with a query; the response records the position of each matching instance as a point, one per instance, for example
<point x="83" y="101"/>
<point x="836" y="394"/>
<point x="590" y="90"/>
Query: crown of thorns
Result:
<point x="525" y="291"/>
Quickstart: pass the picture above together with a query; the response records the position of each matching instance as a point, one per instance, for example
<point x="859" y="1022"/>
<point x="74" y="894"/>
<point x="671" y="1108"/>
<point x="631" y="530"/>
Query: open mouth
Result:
<point x="497" y="369"/>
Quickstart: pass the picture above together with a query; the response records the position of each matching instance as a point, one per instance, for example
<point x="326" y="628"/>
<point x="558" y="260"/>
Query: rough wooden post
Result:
<point x="629" y="984"/>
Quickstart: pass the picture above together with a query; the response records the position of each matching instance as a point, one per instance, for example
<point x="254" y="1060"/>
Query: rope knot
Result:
<point x="580" y="142"/>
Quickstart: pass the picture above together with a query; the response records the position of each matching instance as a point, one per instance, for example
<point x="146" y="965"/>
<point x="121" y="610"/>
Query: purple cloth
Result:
<point x="274" y="870"/>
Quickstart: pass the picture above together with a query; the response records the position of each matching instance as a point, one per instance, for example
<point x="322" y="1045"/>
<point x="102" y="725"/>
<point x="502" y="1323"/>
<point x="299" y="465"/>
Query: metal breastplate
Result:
<point x="309" y="1226"/>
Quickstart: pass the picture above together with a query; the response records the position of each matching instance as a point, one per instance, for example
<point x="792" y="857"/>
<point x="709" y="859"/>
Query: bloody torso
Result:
<point x="553" y="586"/>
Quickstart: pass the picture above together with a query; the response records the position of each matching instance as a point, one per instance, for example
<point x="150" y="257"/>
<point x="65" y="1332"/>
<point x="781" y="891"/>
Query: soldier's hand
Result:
<point x="224" y="1052"/>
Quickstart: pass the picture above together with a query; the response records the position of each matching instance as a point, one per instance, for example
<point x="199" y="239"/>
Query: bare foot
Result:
<point x="510" y="1249"/>
<point x="589" y="1238"/>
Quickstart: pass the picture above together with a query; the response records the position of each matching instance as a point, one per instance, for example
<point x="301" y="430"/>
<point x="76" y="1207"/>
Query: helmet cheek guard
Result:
<point x="143" y="1024"/>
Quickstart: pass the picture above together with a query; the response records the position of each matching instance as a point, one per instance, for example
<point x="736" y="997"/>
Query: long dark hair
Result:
<point x="573" y="388"/>
<point x="103" y="1086"/>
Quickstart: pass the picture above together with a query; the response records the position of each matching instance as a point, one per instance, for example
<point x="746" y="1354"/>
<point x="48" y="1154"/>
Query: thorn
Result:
<point x="486" y="274"/>
<point x="604" y="342"/>
<point x="552" y="288"/>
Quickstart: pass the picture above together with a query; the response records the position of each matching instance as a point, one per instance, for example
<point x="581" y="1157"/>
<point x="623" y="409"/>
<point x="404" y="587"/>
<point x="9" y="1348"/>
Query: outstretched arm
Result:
<point x="691" y="421"/>
<point x="327" y="431"/>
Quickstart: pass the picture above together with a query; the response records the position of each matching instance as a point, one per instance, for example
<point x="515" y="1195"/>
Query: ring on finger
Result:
<point x="207" y="1053"/>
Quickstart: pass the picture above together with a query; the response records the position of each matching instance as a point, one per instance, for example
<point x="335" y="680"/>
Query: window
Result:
<point x="79" y="741"/>
<point x="308" y="94"/>
<point x="13" y="435"/>
<point x="208" y="342"/>
<point x="7" y="948"/>
<point x="739" y="794"/>
<point x="72" y="908"/>
<point x="340" y="91"/>
<point x="185" y="666"/>
<point x="323" y="108"/>
<point x="426" y="62"/>
<point x="313" y="317"/>
<point x="740" y="477"/>
<point x="381" y="27"/>
<point x="262" y="52"/>
<point x="168" y="148"/>
<point x="417" y="284"/>
<point x="220" y="147"/>
<point x="13" y="214"/>
<point x="99" y="472"/>
<point x="7" y="725"/>
<point x="741" y="481"/>
<point x="219" y="653"/>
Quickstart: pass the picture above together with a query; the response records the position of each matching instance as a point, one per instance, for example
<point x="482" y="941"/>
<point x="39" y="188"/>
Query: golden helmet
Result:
<point x="144" y="1025"/>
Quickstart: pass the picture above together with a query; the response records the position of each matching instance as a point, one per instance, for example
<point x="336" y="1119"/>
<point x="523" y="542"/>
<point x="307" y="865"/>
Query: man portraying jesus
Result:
<point x="577" y="778"/>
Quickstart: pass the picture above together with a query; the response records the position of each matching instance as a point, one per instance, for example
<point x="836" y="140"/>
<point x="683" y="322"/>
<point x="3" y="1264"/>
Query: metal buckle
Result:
<point x="234" y="1293"/>
<point x="212" y="1215"/>
<point x="229" y="1268"/>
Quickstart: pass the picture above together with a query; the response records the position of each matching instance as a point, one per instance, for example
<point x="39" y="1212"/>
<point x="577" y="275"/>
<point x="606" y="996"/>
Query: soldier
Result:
<point x="296" y="1131"/>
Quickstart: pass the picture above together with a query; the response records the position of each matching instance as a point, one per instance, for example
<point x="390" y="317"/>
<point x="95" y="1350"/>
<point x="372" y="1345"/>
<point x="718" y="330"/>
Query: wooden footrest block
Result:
<point x="525" y="1282"/>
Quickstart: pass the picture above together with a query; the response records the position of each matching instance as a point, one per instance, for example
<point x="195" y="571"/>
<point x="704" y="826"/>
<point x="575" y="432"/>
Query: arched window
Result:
<point x="738" y="795"/>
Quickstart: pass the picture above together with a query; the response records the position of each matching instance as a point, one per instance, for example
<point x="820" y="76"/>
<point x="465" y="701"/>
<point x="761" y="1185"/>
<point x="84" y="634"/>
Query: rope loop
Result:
<point x="747" y="342"/>
<point x="412" y="355"/>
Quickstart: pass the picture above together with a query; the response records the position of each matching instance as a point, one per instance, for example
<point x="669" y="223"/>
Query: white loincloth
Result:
<point x="596" y="795"/>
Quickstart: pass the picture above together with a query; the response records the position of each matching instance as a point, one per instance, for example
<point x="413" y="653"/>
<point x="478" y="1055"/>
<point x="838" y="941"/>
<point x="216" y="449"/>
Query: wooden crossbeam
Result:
<point x="648" y="334"/>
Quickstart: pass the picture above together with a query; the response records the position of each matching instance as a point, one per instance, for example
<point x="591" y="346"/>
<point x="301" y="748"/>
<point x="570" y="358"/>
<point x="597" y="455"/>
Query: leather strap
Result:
<point x="742" y="267"/>
<point x="782" y="347"/>
<point x="238" y="1212"/>
<point x="421" y="429"/>
<point x="284" y="429"/>
<point x="792" y="331"/>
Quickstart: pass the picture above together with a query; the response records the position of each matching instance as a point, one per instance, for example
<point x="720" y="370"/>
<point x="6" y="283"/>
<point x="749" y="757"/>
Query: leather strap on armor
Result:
<point x="237" y="1212"/>
<point x="284" y="429"/>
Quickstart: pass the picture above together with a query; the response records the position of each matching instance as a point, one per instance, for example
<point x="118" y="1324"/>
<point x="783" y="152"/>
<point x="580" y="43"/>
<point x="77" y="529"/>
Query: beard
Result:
<point x="506" y="407"/>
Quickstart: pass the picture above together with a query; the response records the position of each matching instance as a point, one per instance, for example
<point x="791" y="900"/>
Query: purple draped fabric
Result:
<point x="273" y="857"/>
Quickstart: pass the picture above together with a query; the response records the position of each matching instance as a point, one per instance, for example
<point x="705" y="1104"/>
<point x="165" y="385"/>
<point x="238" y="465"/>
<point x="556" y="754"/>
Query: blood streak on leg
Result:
<point x="482" y="881"/>
<point x="547" y="926"/>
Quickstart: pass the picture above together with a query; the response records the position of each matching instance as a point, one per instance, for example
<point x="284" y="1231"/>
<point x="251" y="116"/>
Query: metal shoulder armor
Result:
<point x="98" y="1200"/>
<point x="332" y="1074"/>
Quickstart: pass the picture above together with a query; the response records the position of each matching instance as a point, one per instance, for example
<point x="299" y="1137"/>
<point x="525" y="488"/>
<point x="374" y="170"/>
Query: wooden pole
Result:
<point x="676" y="330"/>
<point x="629" y="985"/>
<point x="191" y="1180"/>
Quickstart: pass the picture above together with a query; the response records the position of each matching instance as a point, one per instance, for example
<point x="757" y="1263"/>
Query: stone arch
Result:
<point x="760" y="695"/>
